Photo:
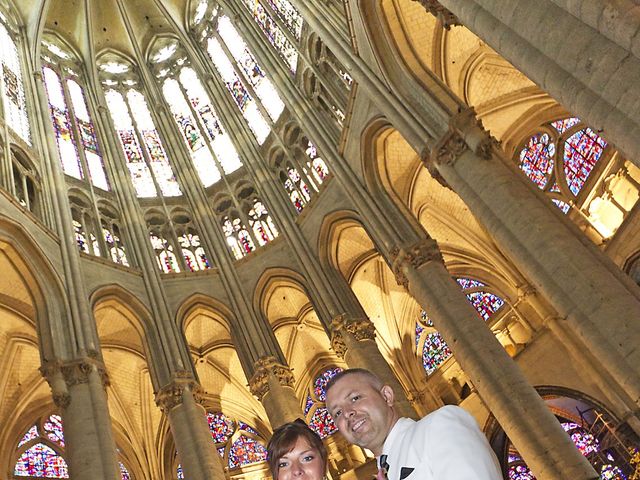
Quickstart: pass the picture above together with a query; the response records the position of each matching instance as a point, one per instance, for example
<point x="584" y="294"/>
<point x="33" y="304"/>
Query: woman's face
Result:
<point x="301" y="462"/>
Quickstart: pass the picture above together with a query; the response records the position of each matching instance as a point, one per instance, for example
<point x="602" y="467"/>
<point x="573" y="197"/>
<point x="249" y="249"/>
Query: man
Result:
<point x="446" y="444"/>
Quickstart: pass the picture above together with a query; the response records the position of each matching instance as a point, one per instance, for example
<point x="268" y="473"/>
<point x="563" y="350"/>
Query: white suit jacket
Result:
<point x="447" y="444"/>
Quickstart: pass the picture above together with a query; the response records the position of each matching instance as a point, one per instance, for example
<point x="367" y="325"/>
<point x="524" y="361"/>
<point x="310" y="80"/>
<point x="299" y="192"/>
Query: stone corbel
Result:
<point x="357" y="328"/>
<point x="447" y="18"/>
<point x="413" y="256"/>
<point x="267" y="368"/>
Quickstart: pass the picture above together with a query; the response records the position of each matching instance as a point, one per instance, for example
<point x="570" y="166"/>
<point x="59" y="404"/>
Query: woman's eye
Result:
<point x="308" y="458"/>
<point x="282" y="464"/>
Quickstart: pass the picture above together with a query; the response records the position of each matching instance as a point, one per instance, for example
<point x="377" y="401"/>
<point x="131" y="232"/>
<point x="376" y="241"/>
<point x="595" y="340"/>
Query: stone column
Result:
<point x="272" y="383"/>
<point x="78" y="389"/>
<point x="499" y="381"/>
<point x="578" y="280"/>
<point x="591" y="75"/>
<point x="354" y="340"/>
<point x="179" y="400"/>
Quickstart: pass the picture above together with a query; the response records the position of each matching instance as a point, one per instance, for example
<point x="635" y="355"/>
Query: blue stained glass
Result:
<point x="41" y="461"/>
<point x="419" y="329"/>
<point x="308" y="404"/>
<point x="246" y="428"/>
<point x="124" y="473"/>
<point x="179" y="472"/>
<point x="220" y="426"/>
<point x="425" y="319"/>
<point x="611" y="472"/>
<point x="321" y="382"/>
<point x="536" y="159"/>
<point x="289" y="15"/>
<point x="581" y="152"/>
<point x="321" y="422"/>
<point x="246" y="450"/>
<point x="221" y="451"/>
<point x="520" y="472"/>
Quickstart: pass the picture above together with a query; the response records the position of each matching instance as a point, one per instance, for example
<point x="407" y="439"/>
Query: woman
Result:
<point x="295" y="451"/>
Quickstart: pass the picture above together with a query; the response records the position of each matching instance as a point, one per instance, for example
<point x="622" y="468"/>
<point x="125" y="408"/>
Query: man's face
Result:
<point x="362" y="413"/>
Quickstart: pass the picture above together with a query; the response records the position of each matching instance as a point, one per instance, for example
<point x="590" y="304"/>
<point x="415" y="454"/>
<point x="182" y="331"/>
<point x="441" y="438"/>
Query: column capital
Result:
<point x="172" y="394"/>
<point x="75" y="372"/>
<point x="465" y="132"/>
<point x="267" y="368"/>
<point x="447" y="18"/>
<point x="358" y="328"/>
<point x="414" y="256"/>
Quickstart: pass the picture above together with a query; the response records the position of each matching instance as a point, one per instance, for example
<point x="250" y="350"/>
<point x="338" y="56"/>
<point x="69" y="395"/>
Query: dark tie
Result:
<point x="384" y="465"/>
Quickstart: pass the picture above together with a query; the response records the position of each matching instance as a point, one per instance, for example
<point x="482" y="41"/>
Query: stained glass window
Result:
<point x="274" y="34"/>
<point x="193" y="252"/>
<point x="220" y="142"/>
<point x="250" y="69"/>
<point x="238" y="441"/>
<point x="581" y="152"/>
<point x="115" y="246"/>
<point x="62" y="124"/>
<point x="241" y="96"/>
<point x="160" y="166"/>
<point x="40" y="452"/>
<point x="81" y="238"/>
<point x="316" y="412"/>
<point x="560" y="158"/>
<point x="435" y="352"/>
<point x="15" y="106"/>
<point x="317" y="165"/>
<point x="261" y="223"/>
<point x="167" y="260"/>
<point x="88" y="138"/>
<point x="191" y="133"/>
<point x="289" y="15"/>
<point x="485" y="303"/>
<point x="238" y="238"/>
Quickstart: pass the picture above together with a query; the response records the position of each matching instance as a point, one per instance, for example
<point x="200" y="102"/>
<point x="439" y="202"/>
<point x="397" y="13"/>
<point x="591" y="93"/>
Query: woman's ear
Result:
<point x="388" y="394"/>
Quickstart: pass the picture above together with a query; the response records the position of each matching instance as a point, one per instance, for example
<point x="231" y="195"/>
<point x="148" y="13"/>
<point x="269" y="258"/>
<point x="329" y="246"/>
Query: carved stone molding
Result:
<point x="265" y="368"/>
<point x="358" y="328"/>
<point x="447" y="18"/>
<point x="414" y="256"/>
<point x="62" y="399"/>
<point x="172" y="394"/>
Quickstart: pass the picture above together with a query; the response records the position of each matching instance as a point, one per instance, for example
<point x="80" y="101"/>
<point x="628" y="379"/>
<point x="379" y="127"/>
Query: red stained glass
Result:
<point x="321" y="422"/>
<point x="321" y="381"/>
<point x="246" y="450"/>
<point x="536" y="159"/>
<point x="221" y="427"/>
<point x="581" y="152"/>
<point x="41" y="461"/>
<point x="435" y="352"/>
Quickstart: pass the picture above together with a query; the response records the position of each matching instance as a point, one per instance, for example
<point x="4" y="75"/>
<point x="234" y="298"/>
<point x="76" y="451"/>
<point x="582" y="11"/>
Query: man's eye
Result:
<point x="337" y="413"/>
<point x="355" y="398"/>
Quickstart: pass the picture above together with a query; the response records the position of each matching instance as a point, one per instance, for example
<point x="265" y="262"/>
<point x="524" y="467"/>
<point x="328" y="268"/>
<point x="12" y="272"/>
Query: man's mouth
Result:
<point x="357" y="425"/>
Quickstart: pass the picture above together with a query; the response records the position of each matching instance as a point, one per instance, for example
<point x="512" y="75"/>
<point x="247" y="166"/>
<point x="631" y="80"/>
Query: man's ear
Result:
<point x="388" y="394"/>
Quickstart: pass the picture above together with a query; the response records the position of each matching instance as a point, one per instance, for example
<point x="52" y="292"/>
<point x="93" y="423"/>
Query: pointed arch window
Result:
<point x="274" y="34"/>
<point x="12" y="85"/>
<point x="75" y="134"/>
<point x="167" y="260"/>
<point x="237" y="442"/>
<point x="315" y="409"/>
<point x="250" y="69"/>
<point x="145" y="155"/>
<point x="238" y="238"/>
<point x="260" y="221"/>
<point x="430" y="345"/>
<point x="560" y="158"/>
<point x="40" y="453"/>
<point x="289" y="15"/>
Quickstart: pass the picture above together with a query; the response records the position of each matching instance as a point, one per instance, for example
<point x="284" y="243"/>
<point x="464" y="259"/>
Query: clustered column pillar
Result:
<point x="180" y="402"/>
<point x="78" y="389"/>
<point x="499" y="381"/>
<point x="593" y="75"/>
<point x="272" y="383"/>
<point x="354" y="340"/>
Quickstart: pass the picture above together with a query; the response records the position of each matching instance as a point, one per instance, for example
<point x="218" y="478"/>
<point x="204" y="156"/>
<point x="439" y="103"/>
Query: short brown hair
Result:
<point x="284" y="439"/>
<point x="373" y="379"/>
